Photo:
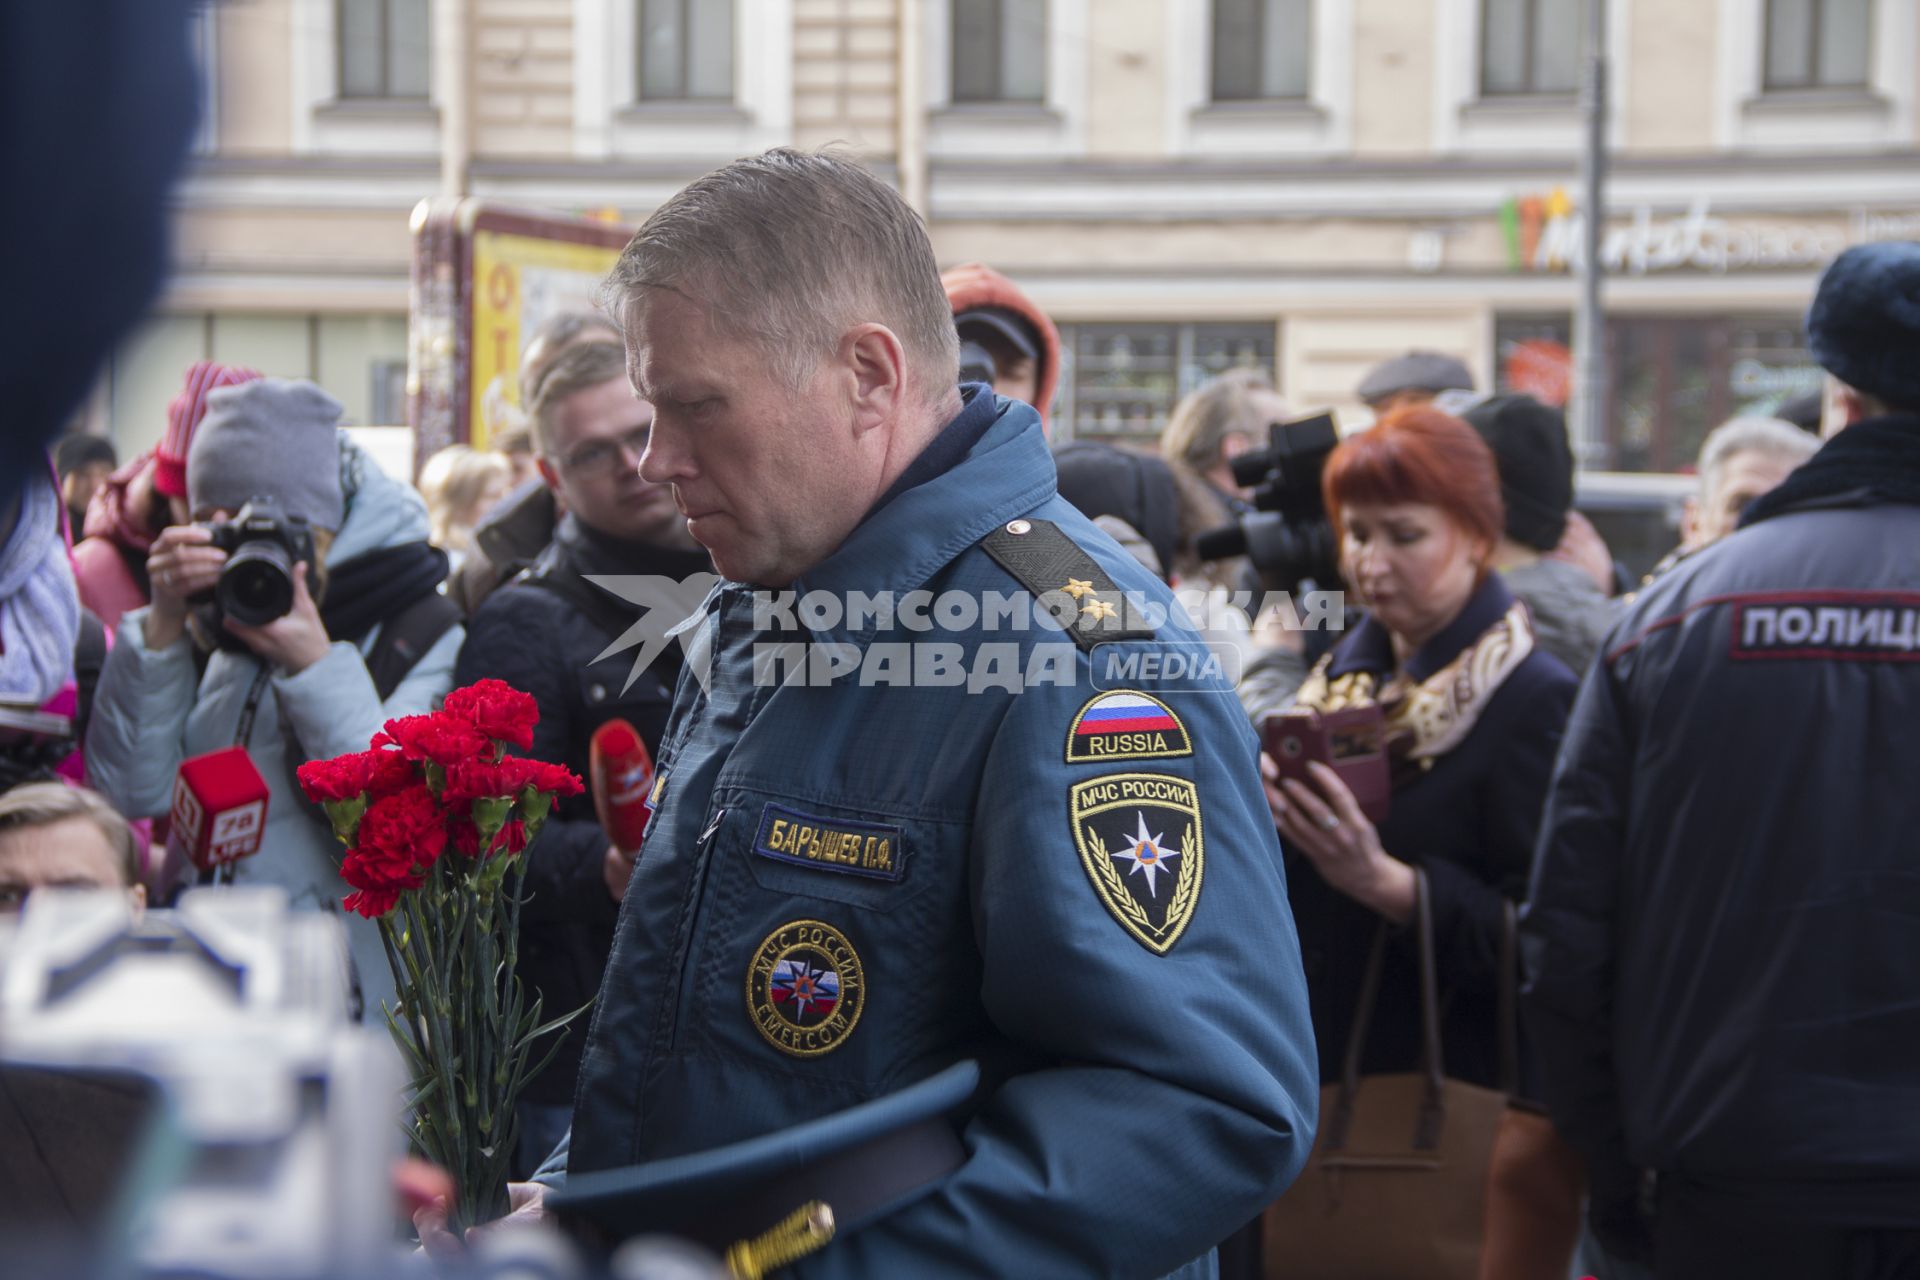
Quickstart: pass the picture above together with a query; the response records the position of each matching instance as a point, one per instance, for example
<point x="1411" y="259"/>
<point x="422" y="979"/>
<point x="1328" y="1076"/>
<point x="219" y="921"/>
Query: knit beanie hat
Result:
<point x="269" y="438"/>
<point x="1529" y="443"/>
<point x="1864" y="325"/>
<point x="183" y="415"/>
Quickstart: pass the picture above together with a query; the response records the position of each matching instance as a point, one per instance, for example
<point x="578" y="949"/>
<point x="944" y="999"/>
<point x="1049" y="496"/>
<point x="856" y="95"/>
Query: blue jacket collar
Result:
<point x="910" y="537"/>
<point x="1370" y="648"/>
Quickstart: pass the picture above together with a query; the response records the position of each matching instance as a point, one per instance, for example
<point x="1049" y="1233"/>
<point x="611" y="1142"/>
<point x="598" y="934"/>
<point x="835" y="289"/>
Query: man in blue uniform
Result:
<point x="906" y="816"/>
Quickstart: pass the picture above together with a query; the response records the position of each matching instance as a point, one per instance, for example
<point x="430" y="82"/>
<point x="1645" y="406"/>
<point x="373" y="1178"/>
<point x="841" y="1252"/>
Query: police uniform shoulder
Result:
<point x="1042" y="558"/>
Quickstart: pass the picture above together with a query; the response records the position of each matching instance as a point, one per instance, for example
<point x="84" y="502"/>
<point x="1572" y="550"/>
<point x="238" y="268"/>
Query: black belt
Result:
<point x="858" y="1184"/>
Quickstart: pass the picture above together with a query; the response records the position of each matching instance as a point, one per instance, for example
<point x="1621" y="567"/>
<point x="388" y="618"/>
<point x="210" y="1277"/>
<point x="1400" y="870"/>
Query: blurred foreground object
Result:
<point x="101" y="95"/>
<point x="186" y="1092"/>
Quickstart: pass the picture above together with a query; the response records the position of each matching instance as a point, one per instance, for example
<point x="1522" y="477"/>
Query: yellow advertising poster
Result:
<point x="518" y="281"/>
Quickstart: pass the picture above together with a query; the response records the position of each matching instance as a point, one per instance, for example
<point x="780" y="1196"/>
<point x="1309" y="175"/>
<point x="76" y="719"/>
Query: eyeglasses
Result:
<point x="601" y="458"/>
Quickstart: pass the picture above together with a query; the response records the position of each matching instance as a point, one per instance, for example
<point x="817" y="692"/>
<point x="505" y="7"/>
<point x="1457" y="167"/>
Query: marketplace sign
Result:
<point x="1547" y="233"/>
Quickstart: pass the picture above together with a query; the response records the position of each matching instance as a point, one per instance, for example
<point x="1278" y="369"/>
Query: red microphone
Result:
<point x="219" y="812"/>
<point x="620" y="770"/>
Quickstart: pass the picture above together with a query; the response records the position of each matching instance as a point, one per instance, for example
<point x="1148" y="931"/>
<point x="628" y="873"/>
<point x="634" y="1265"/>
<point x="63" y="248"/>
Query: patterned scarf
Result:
<point x="1428" y="718"/>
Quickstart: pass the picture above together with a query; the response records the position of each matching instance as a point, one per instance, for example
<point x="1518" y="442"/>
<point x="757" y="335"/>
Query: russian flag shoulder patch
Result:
<point x="1126" y="724"/>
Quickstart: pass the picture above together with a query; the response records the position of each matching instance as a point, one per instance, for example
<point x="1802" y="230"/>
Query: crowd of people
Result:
<point x="1688" y="787"/>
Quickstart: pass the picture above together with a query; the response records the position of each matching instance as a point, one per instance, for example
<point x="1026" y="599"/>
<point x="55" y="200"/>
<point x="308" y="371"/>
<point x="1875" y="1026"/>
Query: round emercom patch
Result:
<point x="806" y="988"/>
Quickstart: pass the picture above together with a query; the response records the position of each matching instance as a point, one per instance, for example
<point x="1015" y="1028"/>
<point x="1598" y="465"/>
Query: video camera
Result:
<point x="183" y="1093"/>
<point x="262" y="543"/>
<point x="1288" y="538"/>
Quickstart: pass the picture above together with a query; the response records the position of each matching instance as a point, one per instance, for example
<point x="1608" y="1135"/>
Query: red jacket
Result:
<point x="107" y="582"/>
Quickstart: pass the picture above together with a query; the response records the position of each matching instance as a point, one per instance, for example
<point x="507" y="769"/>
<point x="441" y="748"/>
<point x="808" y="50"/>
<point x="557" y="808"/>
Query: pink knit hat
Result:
<point x="183" y="416"/>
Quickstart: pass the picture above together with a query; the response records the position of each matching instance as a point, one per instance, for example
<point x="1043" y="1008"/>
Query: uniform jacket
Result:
<point x="1137" y="1106"/>
<point x="1469" y="823"/>
<point x="151" y="713"/>
<point x="541" y="635"/>
<point x="1724" y="935"/>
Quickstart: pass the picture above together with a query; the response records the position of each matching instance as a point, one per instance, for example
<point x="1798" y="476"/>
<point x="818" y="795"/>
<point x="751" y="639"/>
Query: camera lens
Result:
<point x="257" y="584"/>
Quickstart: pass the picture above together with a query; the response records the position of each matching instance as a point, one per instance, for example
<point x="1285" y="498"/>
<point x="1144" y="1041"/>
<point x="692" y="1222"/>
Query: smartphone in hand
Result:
<point x="1352" y="742"/>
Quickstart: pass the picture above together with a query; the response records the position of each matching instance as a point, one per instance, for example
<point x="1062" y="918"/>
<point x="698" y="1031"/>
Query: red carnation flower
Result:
<point x="498" y="710"/>
<point x="366" y="773"/>
<point x="471" y="780"/>
<point x="466" y="838"/>
<point x="372" y="903"/>
<point x="512" y="838"/>
<point x="401" y="832"/>
<point x="444" y="740"/>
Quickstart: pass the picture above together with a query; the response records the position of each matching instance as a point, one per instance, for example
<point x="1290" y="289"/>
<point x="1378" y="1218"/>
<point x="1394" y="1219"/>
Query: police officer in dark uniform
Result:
<point x="948" y="779"/>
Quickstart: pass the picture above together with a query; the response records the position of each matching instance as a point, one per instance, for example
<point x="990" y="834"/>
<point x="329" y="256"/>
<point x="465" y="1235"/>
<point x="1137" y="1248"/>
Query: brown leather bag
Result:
<point x="1536" y="1182"/>
<point x="1399" y="1184"/>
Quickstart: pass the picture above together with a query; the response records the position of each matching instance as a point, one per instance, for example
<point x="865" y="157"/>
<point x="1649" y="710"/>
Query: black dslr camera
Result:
<point x="1288" y="538"/>
<point x="262" y="543"/>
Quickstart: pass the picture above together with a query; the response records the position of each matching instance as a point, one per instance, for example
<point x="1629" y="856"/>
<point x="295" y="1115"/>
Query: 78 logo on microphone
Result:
<point x="236" y="832"/>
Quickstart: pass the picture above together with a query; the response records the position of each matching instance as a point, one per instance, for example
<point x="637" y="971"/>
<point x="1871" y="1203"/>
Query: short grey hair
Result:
<point x="42" y="804"/>
<point x="574" y="370"/>
<point x="1216" y="409"/>
<point x="1771" y="436"/>
<point x="555" y="334"/>
<point x="787" y="249"/>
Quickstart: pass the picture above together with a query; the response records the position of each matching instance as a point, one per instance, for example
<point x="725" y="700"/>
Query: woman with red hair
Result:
<point x="1473" y="712"/>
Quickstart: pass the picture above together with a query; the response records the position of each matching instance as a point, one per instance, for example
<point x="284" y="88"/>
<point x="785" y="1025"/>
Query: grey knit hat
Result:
<point x="269" y="438"/>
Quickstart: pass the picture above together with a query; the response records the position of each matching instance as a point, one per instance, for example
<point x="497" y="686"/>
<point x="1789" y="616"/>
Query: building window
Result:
<point x="686" y="50"/>
<point x="1817" y="44"/>
<point x="1124" y="379"/>
<point x="999" y="50"/>
<point x="1530" y="46"/>
<point x="1261" y="49"/>
<point x="383" y="48"/>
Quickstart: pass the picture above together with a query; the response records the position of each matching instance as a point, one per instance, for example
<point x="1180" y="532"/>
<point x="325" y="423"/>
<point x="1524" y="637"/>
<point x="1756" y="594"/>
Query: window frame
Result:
<point x="686" y="9"/>
<point x="999" y="95"/>
<point x="1812" y="83"/>
<point x="386" y="93"/>
<point x="1184" y="369"/>
<point x="1530" y="24"/>
<point x="1260" y="40"/>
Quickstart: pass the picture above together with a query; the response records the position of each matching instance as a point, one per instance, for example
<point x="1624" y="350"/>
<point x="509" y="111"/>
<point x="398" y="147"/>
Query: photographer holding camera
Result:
<point x="309" y="577"/>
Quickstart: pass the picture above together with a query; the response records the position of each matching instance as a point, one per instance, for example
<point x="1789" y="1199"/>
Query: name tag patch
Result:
<point x="871" y="849"/>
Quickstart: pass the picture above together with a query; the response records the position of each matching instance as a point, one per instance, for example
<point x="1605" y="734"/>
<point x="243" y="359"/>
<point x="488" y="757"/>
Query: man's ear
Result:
<point x="548" y="473"/>
<point x="1690" y="522"/>
<point x="875" y="364"/>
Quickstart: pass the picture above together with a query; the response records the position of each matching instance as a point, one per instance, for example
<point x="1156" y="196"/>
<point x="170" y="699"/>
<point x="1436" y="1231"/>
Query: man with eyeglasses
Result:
<point x="542" y="633"/>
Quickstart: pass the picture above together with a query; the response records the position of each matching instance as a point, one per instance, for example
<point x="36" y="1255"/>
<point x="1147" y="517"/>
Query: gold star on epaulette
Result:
<point x="1098" y="609"/>
<point x="1077" y="588"/>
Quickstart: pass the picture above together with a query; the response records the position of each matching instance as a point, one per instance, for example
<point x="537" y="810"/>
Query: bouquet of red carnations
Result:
<point x="435" y="816"/>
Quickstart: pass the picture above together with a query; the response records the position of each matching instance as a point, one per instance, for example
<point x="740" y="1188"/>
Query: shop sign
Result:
<point x="1547" y="233"/>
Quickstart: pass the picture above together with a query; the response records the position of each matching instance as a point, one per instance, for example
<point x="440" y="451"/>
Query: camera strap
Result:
<point x="243" y="732"/>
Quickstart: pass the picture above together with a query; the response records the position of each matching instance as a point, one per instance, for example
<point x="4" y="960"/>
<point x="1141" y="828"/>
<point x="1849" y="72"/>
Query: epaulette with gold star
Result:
<point x="1066" y="580"/>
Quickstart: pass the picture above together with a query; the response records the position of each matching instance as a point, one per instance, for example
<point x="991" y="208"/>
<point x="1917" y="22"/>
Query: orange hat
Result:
<point x="975" y="285"/>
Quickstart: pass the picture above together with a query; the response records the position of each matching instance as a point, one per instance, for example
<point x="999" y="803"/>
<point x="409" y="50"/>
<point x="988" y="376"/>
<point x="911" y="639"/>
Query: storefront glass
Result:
<point x="1673" y="377"/>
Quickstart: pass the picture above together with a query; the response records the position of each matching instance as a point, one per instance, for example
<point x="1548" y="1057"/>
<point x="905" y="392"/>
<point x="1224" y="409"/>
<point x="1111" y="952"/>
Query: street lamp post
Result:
<point x="1589" y="326"/>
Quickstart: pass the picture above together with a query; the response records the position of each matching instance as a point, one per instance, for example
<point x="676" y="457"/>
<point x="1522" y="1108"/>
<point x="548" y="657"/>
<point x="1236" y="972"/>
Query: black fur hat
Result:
<point x="1864" y="325"/>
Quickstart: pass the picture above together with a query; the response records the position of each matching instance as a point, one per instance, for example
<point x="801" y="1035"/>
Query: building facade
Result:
<point x="1302" y="185"/>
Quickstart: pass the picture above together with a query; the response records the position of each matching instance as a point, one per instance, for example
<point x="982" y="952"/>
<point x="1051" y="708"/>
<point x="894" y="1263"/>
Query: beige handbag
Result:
<point x="1397" y="1185"/>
